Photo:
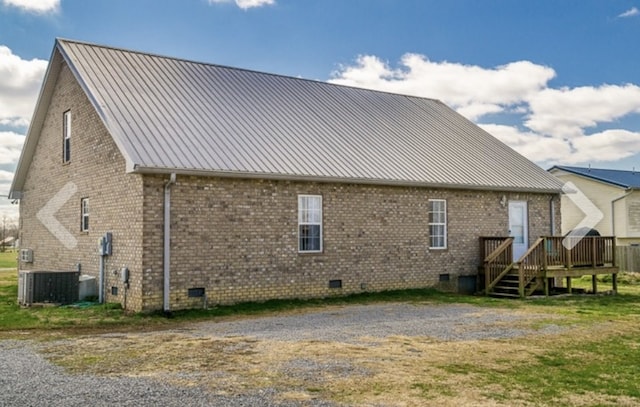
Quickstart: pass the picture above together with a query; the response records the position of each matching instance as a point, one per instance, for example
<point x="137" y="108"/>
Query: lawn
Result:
<point x="591" y="358"/>
<point x="8" y="259"/>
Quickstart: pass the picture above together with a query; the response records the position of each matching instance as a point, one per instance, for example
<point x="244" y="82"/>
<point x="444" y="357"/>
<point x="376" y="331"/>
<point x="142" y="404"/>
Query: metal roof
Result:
<point x="619" y="178"/>
<point x="173" y="115"/>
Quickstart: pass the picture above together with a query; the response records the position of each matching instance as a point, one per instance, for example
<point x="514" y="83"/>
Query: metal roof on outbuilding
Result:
<point x="619" y="178"/>
<point x="173" y="115"/>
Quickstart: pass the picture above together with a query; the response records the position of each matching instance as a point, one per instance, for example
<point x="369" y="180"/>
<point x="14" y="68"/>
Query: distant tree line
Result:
<point x="8" y="234"/>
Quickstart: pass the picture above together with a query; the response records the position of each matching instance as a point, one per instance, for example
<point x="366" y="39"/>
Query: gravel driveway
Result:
<point x="28" y="379"/>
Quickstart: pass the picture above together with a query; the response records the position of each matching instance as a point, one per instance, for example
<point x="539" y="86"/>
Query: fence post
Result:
<point x="594" y="263"/>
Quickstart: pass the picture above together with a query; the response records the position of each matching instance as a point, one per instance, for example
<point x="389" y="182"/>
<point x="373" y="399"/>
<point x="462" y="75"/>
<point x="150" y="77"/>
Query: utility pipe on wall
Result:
<point x="552" y="215"/>
<point x="166" y="306"/>
<point x="101" y="278"/>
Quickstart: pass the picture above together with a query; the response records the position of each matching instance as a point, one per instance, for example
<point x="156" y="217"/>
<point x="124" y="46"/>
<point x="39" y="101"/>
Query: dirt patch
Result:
<point x="373" y="355"/>
<point x="388" y="355"/>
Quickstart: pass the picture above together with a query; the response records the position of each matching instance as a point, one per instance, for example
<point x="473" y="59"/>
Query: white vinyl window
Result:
<point x="66" y="136"/>
<point x="84" y="214"/>
<point x="437" y="224"/>
<point x="310" y="223"/>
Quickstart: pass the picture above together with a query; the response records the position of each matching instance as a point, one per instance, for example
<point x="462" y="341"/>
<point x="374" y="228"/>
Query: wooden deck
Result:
<point x="548" y="259"/>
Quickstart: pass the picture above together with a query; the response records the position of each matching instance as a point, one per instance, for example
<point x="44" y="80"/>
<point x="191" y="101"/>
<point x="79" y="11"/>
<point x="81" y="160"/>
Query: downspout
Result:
<point x="167" y="244"/>
<point x="613" y="211"/>
<point x="552" y="215"/>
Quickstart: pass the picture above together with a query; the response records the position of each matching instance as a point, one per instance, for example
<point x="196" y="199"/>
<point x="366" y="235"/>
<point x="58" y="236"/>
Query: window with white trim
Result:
<point x="310" y="223"/>
<point x="66" y="136"/>
<point x="84" y="215"/>
<point x="437" y="224"/>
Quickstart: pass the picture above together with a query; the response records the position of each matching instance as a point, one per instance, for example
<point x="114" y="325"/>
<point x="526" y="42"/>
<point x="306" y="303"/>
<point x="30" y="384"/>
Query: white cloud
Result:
<point x="6" y="177"/>
<point x="609" y="145"/>
<point x="567" y="112"/>
<point x="554" y="122"/>
<point x="245" y="4"/>
<point x="532" y="145"/>
<point x="472" y="90"/>
<point x="6" y="208"/>
<point x="20" y="82"/>
<point x="10" y="147"/>
<point x="35" y="6"/>
<point x="633" y="11"/>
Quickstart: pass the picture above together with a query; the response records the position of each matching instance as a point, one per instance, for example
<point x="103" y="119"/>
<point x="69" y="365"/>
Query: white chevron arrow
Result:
<point x="593" y="215"/>
<point x="46" y="215"/>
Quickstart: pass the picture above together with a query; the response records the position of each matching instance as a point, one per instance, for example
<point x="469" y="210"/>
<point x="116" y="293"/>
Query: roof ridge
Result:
<point x="169" y="114"/>
<point x="235" y="68"/>
<point x="600" y="174"/>
<point x="598" y="169"/>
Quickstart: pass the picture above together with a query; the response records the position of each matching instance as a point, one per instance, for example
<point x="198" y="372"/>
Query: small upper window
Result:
<point x="84" y="214"/>
<point x="66" y="136"/>
<point x="310" y="223"/>
<point x="437" y="224"/>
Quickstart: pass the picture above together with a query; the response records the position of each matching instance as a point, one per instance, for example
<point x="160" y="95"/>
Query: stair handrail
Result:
<point x="530" y="264"/>
<point x="498" y="250"/>
<point x="498" y="263"/>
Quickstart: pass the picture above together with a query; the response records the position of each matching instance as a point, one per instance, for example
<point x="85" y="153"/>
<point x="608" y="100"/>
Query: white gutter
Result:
<point x="167" y="243"/>
<point x="138" y="169"/>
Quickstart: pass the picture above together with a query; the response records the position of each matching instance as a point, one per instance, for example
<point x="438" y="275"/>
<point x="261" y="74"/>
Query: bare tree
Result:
<point x="3" y="235"/>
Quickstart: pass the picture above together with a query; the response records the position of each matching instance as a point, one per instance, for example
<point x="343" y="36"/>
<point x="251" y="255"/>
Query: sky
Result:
<point x="558" y="81"/>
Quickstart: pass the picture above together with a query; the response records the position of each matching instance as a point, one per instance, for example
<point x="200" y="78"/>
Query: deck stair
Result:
<point x="546" y="259"/>
<point x="508" y="286"/>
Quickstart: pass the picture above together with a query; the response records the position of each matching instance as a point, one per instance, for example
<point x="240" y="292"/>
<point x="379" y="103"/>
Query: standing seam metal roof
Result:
<point x="173" y="115"/>
<point x="619" y="178"/>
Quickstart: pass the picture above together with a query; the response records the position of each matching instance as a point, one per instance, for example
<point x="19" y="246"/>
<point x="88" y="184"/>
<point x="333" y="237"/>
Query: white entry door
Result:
<point x="518" y="227"/>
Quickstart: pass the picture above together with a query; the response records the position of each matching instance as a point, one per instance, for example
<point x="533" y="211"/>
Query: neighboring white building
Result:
<point x="616" y="193"/>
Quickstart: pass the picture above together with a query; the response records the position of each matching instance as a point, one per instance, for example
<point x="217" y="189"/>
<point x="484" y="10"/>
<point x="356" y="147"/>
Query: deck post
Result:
<point x="594" y="283"/>
<point x="544" y="255"/>
<point x="614" y="283"/>
<point x="487" y="279"/>
<point x="521" y="282"/>
<point x="546" y="285"/>
<point x="614" y="261"/>
<point x="569" y="285"/>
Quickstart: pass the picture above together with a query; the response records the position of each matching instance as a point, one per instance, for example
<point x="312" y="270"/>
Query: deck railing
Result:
<point x="497" y="255"/>
<point x="589" y="251"/>
<point x="546" y="253"/>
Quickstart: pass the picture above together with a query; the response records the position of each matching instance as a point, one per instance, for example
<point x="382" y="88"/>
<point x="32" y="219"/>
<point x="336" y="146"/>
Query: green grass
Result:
<point x="598" y="357"/>
<point x="14" y="318"/>
<point x="109" y="316"/>
<point x="8" y="259"/>
<point x="607" y="368"/>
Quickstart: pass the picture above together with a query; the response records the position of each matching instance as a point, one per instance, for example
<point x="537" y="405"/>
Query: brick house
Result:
<point x="220" y="185"/>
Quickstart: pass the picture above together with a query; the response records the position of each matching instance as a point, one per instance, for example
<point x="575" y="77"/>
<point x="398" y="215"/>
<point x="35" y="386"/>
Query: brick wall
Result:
<point x="97" y="172"/>
<point x="238" y="238"/>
